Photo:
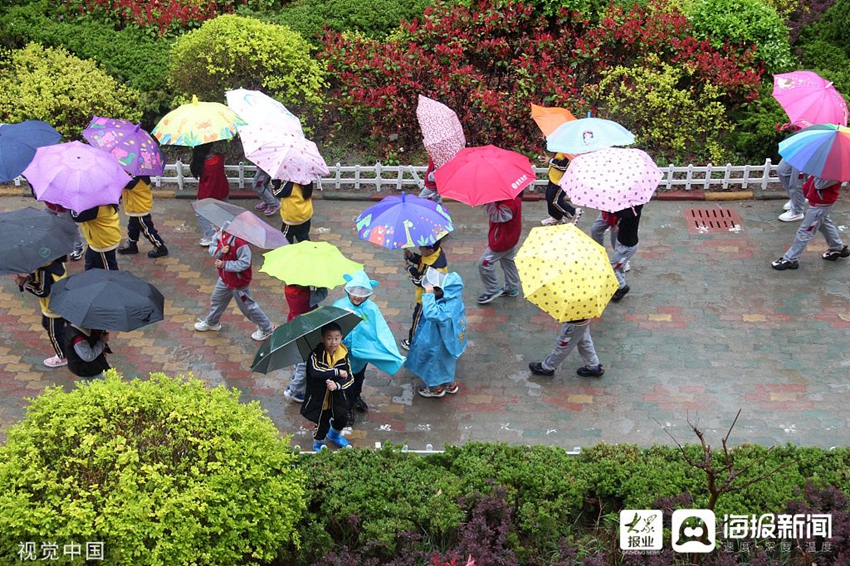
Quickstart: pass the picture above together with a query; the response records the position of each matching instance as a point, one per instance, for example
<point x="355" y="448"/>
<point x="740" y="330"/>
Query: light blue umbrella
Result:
<point x="586" y="135"/>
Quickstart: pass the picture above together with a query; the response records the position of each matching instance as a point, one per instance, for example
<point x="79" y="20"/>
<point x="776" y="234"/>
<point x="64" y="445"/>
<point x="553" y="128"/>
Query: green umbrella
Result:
<point x="293" y="342"/>
<point x="311" y="264"/>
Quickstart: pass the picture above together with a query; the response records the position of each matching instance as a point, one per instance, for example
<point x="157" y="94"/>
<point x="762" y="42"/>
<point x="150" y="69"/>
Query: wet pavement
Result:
<point x="708" y="328"/>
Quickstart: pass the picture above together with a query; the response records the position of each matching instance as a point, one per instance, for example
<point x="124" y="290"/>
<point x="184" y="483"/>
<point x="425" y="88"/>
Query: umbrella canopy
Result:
<point x="822" y="150"/>
<point x="257" y="109"/>
<point x="809" y="99"/>
<point x="197" y="123"/>
<point x="611" y="179"/>
<point x="311" y="264"/>
<point x="442" y="132"/>
<point x="239" y="222"/>
<point x="76" y="176"/>
<point x="294" y="341"/>
<point x="32" y="238"/>
<point x="107" y="300"/>
<point x="588" y="134"/>
<point x="132" y="146"/>
<point x="478" y="175"/>
<point x="548" y="119"/>
<point x="565" y="273"/>
<point x="18" y="143"/>
<point x="283" y="156"/>
<point x="403" y="222"/>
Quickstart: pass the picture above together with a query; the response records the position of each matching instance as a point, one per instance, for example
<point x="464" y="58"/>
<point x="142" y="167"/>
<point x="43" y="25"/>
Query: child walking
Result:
<point x="86" y="350"/>
<point x="301" y="300"/>
<point x="429" y="185"/>
<point x="505" y="219"/>
<point x="559" y="208"/>
<point x="58" y="210"/>
<point x="262" y="185"/>
<point x="101" y="226"/>
<point x="624" y="226"/>
<point x="138" y="202"/>
<point x="296" y="210"/>
<point x="574" y="334"/>
<point x="415" y="264"/>
<point x="208" y="167"/>
<point x="39" y="283"/>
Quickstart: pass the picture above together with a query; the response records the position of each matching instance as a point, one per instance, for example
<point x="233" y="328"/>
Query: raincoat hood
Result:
<point x="358" y="282"/>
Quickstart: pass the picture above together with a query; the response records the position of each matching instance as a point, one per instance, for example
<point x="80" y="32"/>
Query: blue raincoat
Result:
<point x="441" y="336"/>
<point x="371" y="341"/>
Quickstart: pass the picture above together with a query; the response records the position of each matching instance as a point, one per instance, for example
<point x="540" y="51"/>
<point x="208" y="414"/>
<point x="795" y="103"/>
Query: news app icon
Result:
<point x="694" y="530"/>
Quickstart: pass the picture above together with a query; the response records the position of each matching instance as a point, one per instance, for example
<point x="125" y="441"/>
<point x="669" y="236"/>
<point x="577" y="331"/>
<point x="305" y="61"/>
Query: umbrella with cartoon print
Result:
<point x="403" y="222"/>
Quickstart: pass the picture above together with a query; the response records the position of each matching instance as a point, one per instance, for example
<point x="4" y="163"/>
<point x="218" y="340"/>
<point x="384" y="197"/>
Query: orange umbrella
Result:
<point x="549" y="118"/>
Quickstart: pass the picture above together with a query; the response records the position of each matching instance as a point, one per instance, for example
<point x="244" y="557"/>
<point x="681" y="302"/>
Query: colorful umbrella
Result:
<point x="822" y="150"/>
<point x="565" y="273"/>
<point x="283" y="156"/>
<point x="588" y="134"/>
<point x="809" y="99"/>
<point x="403" y="222"/>
<point x="441" y="130"/>
<point x="32" y="238"/>
<point x="239" y="222"/>
<point x="548" y="119"/>
<point x="197" y="123"/>
<point x="18" y="143"/>
<point x="478" y="175"/>
<point x="258" y="109"/>
<point x="132" y="146"/>
<point x="311" y="264"/>
<point x="611" y="179"/>
<point x="76" y="176"/>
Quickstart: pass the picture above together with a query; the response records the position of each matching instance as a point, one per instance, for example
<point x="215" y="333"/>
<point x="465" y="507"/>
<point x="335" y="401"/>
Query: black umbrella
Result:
<point x="33" y="238"/>
<point x="107" y="300"/>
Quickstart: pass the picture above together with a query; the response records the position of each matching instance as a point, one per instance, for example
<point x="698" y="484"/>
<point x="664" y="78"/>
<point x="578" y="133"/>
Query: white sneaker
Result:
<point x="627" y="267"/>
<point x="259" y="335"/>
<point x="549" y="221"/>
<point x="202" y="326"/>
<point x="789" y="216"/>
<point x="787" y="206"/>
<point x="205" y="242"/>
<point x="55" y="362"/>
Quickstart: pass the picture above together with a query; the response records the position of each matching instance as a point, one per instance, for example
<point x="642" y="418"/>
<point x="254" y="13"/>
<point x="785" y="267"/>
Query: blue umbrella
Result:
<point x="404" y="222"/>
<point x="18" y="143"/>
<point x="586" y="135"/>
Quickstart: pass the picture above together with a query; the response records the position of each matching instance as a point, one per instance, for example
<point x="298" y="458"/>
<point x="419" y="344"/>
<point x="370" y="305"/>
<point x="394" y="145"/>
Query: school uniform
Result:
<point x="821" y="195"/>
<point x="295" y="211"/>
<point x="86" y="352"/>
<point x="556" y="202"/>
<point x="505" y="228"/>
<point x="328" y="409"/>
<point x="301" y="300"/>
<point x="101" y="228"/>
<point x="573" y="334"/>
<point x="39" y="283"/>
<point x="137" y="197"/>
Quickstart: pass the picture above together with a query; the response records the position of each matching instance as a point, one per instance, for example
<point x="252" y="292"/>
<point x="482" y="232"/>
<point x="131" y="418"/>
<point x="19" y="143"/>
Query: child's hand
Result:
<point x="429" y="288"/>
<point x="407" y="253"/>
<point x="219" y="263"/>
<point x="343" y="374"/>
<point x="331" y="385"/>
<point x="225" y="249"/>
<point x="21" y="279"/>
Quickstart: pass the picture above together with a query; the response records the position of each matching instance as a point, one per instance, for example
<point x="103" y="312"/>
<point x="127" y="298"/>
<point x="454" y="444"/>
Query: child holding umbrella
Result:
<point x="39" y="283"/>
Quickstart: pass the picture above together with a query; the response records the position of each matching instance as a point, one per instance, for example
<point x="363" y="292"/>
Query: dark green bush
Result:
<point x="756" y="137"/>
<point x="824" y="46"/>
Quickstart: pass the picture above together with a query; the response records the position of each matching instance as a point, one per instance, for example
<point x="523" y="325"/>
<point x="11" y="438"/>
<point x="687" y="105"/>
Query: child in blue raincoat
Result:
<point x="441" y="335"/>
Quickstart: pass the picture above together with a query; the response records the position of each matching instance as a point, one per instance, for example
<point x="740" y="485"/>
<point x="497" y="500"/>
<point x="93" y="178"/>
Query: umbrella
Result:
<point x="18" y="143"/>
<point x="293" y="342"/>
<point x="588" y="134"/>
<point x="441" y="130"/>
<point x="809" y="99"/>
<point x="107" y="300"/>
<point x="197" y="123"/>
<point x="403" y="222"/>
<point x="257" y="108"/>
<point x="311" y="264"/>
<point x="132" y="146"/>
<point x="76" y="176"/>
<point x="239" y="222"/>
<point x="611" y="179"/>
<point x="32" y="238"/>
<point x="822" y="150"/>
<point x="283" y="156"/>
<point x="478" y="175"/>
<point x="548" y="118"/>
<point x="565" y="273"/>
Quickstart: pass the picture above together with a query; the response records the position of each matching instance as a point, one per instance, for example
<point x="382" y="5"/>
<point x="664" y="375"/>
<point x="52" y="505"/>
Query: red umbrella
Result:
<point x="478" y="175"/>
<point x="441" y="130"/>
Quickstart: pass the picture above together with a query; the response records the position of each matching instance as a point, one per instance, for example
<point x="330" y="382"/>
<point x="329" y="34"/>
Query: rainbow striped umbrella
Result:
<point x="822" y="150"/>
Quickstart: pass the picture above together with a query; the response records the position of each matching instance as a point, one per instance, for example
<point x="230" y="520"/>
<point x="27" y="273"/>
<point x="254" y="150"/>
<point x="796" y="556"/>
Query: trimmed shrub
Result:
<point x="163" y="471"/>
<point x="52" y="85"/>
<point x="757" y="135"/>
<point x="824" y="46"/>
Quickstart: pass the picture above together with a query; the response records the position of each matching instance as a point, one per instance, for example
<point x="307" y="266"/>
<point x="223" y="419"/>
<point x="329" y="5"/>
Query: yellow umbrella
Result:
<point x="197" y="123"/>
<point x="565" y="273"/>
<point x="311" y="264"/>
<point x="549" y="118"/>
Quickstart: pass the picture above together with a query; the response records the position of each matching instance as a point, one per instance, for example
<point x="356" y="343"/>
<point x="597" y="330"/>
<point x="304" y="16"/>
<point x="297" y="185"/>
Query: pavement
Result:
<point x="708" y="329"/>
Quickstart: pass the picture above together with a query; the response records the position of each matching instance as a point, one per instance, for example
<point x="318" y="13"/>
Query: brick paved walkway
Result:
<point x="708" y="328"/>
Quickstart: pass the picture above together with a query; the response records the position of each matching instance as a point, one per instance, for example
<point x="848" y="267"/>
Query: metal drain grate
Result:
<point x="712" y="220"/>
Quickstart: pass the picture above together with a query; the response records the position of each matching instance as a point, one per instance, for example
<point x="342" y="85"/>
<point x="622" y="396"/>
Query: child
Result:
<point x="86" y="350"/>
<point x="138" y="202"/>
<point x="560" y="210"/>
<point x="441" y="335"/>
<point x="429" y="188"/>
<point x="573" y="333"/>
<point x="624" y="226"/>
<point x="789" y="178"/>
<point x="262" y="185"/>
<point x="101" y="227"/>
<point x="371" y="341"/>
<point x="505" y="219"/>
<point x="429" y="256"/>
<point x="301" y="300"/>
<point x="39" y="284"/>
<point x="821" y="194"/>
<point x="57" y="210"/>
<point x="328" y="375"/>
<point x="208" y="167"/>
<point x="233" y="260"/>
<point x="296" y="210"/>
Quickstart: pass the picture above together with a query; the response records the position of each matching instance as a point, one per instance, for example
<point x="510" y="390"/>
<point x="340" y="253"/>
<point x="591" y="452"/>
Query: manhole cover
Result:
<point x="712" y="220"/>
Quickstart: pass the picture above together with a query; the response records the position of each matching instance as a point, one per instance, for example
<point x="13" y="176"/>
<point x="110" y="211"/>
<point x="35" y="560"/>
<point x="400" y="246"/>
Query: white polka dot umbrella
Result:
<point x="283" y="156"/>
<point x="611" y="179"/>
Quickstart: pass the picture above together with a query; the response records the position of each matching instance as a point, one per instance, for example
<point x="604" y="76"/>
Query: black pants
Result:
<point x="55" y="328"/>
<point x="144" y="225"/>
<point x="296" y="232"/>
<point x="556" y="202"/>
<point x="417" y="313"/>
<point x="339" y="418"/>
<point x="356" y="388"/>
<point x="101" y="260"/>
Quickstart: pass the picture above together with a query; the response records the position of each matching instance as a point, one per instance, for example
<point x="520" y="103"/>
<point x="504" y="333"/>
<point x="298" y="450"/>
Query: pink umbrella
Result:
<point x="441" y="130"/>
<point x="611" y="179"/>
<point x="478" y="175"/>
<point x="283" y="156"/>
<point x="809" y="99"/>
<point x="76" y="176"/>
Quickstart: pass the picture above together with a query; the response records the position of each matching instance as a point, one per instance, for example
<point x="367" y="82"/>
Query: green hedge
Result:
<point x="825" y="46"/>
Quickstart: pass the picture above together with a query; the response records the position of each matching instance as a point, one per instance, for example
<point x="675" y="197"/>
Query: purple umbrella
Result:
<point x="403" y="222"/>
<point x="134" y="148"/>
<point x="76" y="176"/>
